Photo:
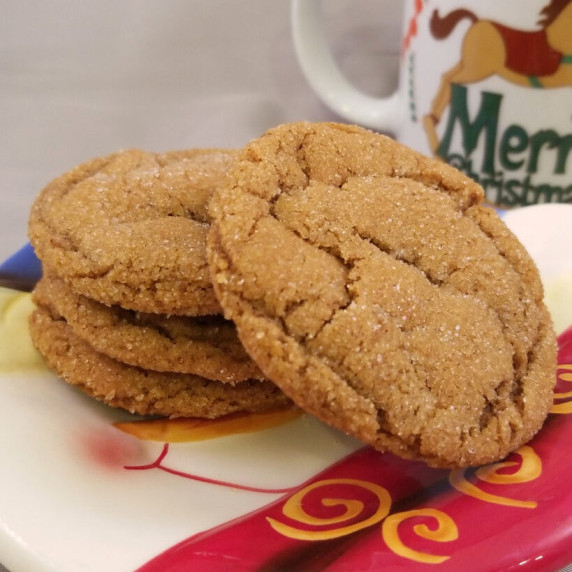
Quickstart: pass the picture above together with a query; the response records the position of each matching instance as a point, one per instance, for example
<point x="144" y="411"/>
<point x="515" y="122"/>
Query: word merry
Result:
<point x="515" y="149"/>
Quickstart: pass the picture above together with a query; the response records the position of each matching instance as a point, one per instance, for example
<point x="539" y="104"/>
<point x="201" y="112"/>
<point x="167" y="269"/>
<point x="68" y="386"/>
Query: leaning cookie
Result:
<point x="142" y="391"/>
<point x="129" y="229"/>
<point x="205" y="345"/>
<point x="396" y="308"/>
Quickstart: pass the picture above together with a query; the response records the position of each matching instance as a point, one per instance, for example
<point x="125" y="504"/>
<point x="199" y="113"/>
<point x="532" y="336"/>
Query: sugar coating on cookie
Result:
<point x="130" y="228"/>
<point x="142" y="391"/>
<point x="202" y="345"/>
<point x="372" y="286"/>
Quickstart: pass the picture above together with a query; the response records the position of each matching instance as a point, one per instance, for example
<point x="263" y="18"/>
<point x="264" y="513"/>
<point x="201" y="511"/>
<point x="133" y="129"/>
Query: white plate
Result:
<point x="68" y="503"/>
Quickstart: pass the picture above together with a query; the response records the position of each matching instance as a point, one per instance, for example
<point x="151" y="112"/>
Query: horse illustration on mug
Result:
<point x="536" y="59"/>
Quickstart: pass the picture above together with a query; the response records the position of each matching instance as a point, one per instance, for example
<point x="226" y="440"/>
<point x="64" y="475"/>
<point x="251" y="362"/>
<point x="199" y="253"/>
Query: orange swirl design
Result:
<point x="530" y="469"/>
<point x="186" y="429"/>
<point x="566" y="406"/>
<point x="294" y="510"/>
<point x="446" y="531"/>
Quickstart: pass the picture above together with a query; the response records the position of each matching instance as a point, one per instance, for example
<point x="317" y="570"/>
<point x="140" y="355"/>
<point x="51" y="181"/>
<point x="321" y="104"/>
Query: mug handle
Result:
<point x="324" y="76"/>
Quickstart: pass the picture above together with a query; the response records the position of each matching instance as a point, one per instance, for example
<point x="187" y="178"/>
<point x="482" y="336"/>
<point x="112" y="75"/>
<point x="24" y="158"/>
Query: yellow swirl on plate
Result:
<point x="446" y="531"/>
<point x="530" y="469"/>
<point x="295" y="509"/>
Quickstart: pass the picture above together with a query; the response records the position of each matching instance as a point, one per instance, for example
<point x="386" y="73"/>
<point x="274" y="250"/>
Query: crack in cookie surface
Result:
<point x="366" y="261"/>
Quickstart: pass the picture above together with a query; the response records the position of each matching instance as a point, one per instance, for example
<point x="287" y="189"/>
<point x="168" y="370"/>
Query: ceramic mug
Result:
<point x="487" y="86"/>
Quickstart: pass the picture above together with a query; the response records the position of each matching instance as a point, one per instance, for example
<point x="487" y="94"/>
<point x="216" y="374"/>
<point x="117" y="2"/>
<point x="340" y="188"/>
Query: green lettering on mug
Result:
<point x="514" y="141"/>
<point x="486" y="121"/>
<point x="547" y="138"/>
<point x="563" y="154"/>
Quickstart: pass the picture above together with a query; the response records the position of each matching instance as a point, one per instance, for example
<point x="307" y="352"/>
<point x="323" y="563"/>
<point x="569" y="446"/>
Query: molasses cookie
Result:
<point x="371" y="284"/>
<point x="143" y="391"/>
<point x="203" y="345"/>
<point x="129" y="229"/>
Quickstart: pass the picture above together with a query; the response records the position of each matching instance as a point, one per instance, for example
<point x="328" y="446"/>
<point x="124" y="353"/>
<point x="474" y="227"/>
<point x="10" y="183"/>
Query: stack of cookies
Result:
<point x="125" y="309"/>
<point x="368" y="282"/>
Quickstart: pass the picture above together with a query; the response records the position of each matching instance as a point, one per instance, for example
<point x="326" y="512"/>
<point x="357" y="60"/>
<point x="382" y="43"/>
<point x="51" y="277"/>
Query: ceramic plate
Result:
<point x="86" y="487"/>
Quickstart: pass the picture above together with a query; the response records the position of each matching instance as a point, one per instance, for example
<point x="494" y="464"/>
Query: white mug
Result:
<point x="486" y="86"/>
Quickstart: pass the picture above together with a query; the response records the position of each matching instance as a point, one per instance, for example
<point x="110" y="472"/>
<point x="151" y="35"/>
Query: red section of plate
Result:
<point x="372" y="511"/>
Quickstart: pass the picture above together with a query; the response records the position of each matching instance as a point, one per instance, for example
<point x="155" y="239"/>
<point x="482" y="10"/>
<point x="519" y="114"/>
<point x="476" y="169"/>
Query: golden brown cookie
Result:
<point x="143" y="391"/>
<point x="129" y="229"/>
<point x="372" y="286"/>
<point x="203" y="345"/>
